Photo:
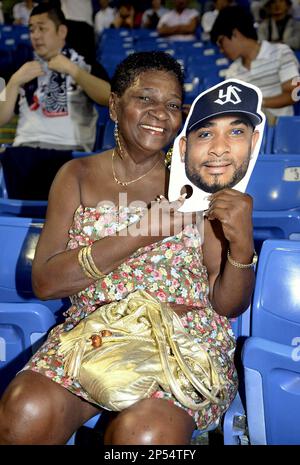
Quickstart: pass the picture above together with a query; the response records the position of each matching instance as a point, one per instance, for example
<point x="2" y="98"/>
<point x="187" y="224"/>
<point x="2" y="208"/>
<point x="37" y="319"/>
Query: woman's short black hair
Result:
<point x="129" y="69"/>
<point x="230" y="18"/>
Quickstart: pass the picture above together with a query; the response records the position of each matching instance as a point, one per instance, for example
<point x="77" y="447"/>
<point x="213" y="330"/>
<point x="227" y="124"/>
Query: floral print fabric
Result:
<point x="171" y="270"/>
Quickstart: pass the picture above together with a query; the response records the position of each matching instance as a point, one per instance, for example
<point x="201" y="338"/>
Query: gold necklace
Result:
<point x="126" y="183"/>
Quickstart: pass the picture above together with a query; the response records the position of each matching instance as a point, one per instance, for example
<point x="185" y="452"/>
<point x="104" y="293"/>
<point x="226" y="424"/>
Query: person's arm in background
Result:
<point x="189" y="28"/>
<point x="97" y="89"/>
<point x="281" y="100"/>
<point x="26" y="73"/>
<point x="288" y="69"/>
<point x="228" y="226"/>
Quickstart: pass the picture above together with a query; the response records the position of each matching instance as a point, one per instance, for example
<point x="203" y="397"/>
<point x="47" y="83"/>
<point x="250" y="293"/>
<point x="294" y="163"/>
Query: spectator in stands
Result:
<point x="104" y="17"/>
<point x="21" y="12"/>
<point x="176" y="265"/>
<point x="180" y="23"/>
<point x="152" y="15"/>
<point x="81" y="36"/>
<point x="56" y="93"/>
<point x="124" y="17"/>
<point x="208" y="18"/>
<point x="271" y="67"/>
<point x="279" y="25"/>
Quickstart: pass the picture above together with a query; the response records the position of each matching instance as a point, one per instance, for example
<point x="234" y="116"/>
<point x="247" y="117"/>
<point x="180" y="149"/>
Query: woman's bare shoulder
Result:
<point x="80" y="167"/>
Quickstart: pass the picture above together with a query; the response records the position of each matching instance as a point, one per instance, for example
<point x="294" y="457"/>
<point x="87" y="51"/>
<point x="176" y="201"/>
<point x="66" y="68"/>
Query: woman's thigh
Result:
<point x="36" y="410"/>
<point x="151" y="422"/>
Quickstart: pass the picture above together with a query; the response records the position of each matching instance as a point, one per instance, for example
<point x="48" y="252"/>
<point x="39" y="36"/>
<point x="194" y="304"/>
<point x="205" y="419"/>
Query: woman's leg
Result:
<point x="151" y="422"/>
<point x="36" y="410"/>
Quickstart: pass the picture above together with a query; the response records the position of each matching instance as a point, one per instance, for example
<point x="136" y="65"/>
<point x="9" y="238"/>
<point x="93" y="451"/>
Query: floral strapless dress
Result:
<point x="171" y="271"/>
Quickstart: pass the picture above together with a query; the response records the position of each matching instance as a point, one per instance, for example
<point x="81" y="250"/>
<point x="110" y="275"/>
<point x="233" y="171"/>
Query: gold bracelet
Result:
<point x="82" y="264"/>
<point x="242" y="265"/>
<point x="87" y="263"/>
<point x="92" y="264"/>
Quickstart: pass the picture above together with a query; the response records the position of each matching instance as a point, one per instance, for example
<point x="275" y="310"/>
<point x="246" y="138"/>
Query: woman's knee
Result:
<point x="25" y="410"/>
<point x="151" y="422"/>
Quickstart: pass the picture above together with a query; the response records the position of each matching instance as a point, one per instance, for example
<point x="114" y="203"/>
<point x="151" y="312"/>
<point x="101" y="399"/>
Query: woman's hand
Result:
<point x="234" y="211"/>
<point x="163" y="218"/>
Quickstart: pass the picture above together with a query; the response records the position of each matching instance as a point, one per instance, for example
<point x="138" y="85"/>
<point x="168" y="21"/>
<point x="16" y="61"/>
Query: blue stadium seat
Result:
<point x="271" y="355"/>
<point x="286" y="135"/>
<point x="275" y="183"/>
<point x="276" y="302"/>
<point x="272" y="378"/>
<point x="23" y="208"/>
<point x="18" y="239"/>
<point x="275" y="188"/>
<point x="23" y="327"/>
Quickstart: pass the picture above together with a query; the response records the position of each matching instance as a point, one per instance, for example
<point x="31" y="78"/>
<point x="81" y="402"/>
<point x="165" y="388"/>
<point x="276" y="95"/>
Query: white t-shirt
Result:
<point x="208" y="19"/>
<point x="274" y="65"/>
<point x="162" y="11"/>
<point x="103" y="19"/>
<point x="77" y="129"/>
<point x="22" y="13"/>
<point x="78" y="10"/>
<point x="175" y="19"/>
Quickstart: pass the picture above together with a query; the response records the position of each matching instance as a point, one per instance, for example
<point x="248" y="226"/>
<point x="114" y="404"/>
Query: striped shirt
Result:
<point x="274" y="65"/>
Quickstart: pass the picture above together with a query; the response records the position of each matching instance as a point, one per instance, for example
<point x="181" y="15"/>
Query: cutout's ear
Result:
<point x="182" y="148"/>
<point x="255" y="137"/>
<point x="113" y="104"/>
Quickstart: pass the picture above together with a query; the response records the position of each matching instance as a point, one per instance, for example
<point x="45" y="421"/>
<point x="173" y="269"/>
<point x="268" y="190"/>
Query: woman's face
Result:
<point x="149" y="111"/>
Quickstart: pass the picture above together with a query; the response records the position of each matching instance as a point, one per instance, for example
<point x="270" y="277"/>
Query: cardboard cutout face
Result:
<point x="216" y="149"/>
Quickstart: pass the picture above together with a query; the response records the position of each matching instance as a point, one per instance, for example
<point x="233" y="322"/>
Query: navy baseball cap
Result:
<point x="231" y="96"/>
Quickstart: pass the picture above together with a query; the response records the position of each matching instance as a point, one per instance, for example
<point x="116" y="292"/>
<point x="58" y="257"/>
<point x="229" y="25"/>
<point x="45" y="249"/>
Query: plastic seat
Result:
<point x="276" y="302"/>
<point x="287" y="135"/>
<point x="23" y="327"/>
<point x="275" y="189"/>
<point x="271" y="355"/>
<point x="18" y="238"/>
<point x="23" y="208"/>
<point x="272" y="378"/>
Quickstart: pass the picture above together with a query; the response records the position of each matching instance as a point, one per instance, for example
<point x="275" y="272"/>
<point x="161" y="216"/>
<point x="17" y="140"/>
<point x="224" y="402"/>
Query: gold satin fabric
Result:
<point x="146" y="348"/>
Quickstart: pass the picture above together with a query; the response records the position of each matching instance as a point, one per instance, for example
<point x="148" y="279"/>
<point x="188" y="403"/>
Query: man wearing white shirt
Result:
<point x="273" y="67"/>
<point x="180" y="23"/>
<point x="21" y="12"/>
<point x="54" y="95"/>
<point x="104" y="18"/>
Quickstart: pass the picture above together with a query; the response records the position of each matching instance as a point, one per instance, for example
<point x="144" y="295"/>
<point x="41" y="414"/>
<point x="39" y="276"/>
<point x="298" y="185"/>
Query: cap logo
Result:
<point x="231" y="96"/>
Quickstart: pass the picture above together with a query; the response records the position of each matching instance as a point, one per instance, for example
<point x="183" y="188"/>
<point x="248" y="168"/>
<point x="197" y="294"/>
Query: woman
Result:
<point x="146" y="105"/>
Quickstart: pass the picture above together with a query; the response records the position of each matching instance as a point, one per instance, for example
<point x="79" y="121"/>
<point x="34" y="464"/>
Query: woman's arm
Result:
<point x="228" y="226"/>
<point x="56" y="272"/>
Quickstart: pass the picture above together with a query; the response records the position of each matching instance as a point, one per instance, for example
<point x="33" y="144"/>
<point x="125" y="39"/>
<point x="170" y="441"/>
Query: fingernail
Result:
<point x="183" y="196"/>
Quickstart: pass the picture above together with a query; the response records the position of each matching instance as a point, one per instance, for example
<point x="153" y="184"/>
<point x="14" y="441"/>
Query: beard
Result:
<point x="215" y="185"/>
